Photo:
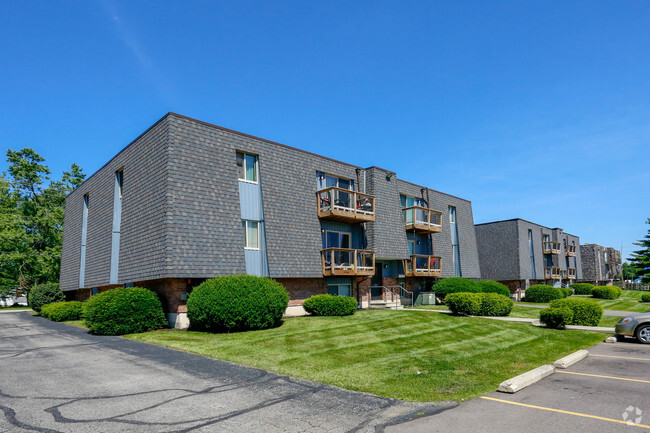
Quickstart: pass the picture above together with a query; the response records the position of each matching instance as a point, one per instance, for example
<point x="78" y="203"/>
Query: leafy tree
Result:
<point x="629" y="272"/>
<point x="641" y="258"/>
<point x="31" y="218"/>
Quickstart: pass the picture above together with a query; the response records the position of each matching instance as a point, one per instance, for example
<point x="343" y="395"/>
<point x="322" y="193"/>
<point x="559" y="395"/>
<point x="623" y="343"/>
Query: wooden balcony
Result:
<point x="422" y="220"/>
<point x="552" y="248"/>
<point x="345" y="206"/>
<point x="422" y="266"/>
<point x="342" y="261"/>
<point x="552" y="273"/>
<point x="570" y="274"/>
<point x="571" y="250"/>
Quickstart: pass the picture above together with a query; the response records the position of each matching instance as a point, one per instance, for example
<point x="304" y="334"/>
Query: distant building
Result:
<point x="188" y="200"/>
<point x="519" y="253"/>
<point x="600" y="265"/>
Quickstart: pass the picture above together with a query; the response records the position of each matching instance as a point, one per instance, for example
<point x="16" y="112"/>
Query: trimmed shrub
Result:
<point x="479" y="304"/>
<point x="542" y="293"/>
<point x="582" y="288"/>
<point x="237" y="303"/>
<point x="606" y="292"/>
<point x="566" y="292"/>
<point x="124" y="310"/>
<point x="62" y="311"/>
<point x="585" y="312"/>
<point x="494" y="304"/>
<point x="645" y="297"/>
<point x="446" y="286"/>
<point x="468" y="304"/>
<point x="330" y="305"/>
<point x="556" y="318"/>
<point x="44" y="294"/>
<point x="488" y="286"/>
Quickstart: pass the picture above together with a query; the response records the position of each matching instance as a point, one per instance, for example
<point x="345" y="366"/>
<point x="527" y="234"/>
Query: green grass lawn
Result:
<point x="630" y="300"/>
<point x="400" y="354"/>
<point x="15" y="307"/>
<point x="529" y="313"/>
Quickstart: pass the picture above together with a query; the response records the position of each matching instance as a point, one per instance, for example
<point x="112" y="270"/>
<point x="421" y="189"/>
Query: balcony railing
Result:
<point x="571" y="250"/>
<point x="552" y="247"/>
<point x="422" y="266"/>
<point x="422" y="220"/>
<point x="342" y="261"/>
<point x="552" y="273"/>
<point x="570" y="274"/>
<point x="344" y="205"/>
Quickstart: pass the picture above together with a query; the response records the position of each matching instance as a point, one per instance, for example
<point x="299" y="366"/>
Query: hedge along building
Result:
<point x="519" y="253"/>
<point x="188" y="200"/>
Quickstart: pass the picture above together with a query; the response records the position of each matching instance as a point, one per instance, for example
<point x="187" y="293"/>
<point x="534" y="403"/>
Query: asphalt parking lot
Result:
<point x="56" y="378"/>
<point x="599" y="394"/>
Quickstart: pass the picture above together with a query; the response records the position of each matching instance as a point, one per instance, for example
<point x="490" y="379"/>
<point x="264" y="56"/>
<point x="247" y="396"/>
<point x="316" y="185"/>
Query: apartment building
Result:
<point x="188" y="200"/>
<point x="600" y="265"/>
<point x="520" y="253"/>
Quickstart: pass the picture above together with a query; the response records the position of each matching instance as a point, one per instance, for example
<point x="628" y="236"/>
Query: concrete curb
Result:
<point x="520" y="382"/>
<point x="569" y="360"/>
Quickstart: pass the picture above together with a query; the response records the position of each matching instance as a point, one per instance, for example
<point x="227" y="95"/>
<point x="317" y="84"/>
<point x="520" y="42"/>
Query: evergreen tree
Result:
<point x="640" y="259"/>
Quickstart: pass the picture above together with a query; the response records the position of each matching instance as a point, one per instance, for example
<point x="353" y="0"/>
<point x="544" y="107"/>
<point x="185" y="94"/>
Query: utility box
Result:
<point x="428" y="298"/>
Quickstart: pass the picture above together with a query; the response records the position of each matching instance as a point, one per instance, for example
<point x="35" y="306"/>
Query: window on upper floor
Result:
<point x="408" y="201"/>
<point x="327" y="180"/>
<point x="334" y="239"/>
<point x="247" y="166"/>
<point x="251" y="234"/>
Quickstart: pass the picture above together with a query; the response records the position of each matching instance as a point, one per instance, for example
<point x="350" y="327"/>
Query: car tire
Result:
<point x="643" y="333"/>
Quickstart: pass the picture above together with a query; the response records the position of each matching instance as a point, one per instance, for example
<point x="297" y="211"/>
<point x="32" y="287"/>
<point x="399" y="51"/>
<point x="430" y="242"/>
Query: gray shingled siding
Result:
<point x="469" y="256"/>
<point x="181" y="211"/>
<point x="143" y="230"/>
<point x="499" y="251"/>
<point x="386" y="235"/>
<point x="594" y="265"/>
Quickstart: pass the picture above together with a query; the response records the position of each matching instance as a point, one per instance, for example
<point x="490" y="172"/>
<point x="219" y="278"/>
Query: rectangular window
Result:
<point x="251" y="234"/>
<point x="338" y="289"/>
<point x="247" y="167"/>
<point x="117" y="224"/>
<point x="84" y="235"/>
<point x="532" y="254"/>
<point x="454" y="242"/>
<point x="337" y="239"/>
<point x="326" y="181"/>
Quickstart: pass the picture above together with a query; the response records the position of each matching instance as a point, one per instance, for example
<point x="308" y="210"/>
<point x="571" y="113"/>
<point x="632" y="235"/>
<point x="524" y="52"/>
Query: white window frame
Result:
<point x="257" y="169"/>
<point x="338" y="180"/>
<point x="247" y="236"/>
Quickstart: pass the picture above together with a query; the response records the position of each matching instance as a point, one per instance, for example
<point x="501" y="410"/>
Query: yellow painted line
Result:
<point x="584" y="415"/>
<point x="620" y="357"/>
<point x="604" y="377"/>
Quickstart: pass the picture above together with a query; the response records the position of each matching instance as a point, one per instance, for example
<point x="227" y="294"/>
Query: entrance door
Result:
<point x="377" y="280"/>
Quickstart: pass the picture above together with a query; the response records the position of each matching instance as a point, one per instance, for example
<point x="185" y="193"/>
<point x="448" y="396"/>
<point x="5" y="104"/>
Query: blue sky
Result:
<point x="538" y="110"/>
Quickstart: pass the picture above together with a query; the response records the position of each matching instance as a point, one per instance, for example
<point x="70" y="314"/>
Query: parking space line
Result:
<point x="604" y="377"/>
<point x="584" y="415"/>
<point x="620" y="357"/>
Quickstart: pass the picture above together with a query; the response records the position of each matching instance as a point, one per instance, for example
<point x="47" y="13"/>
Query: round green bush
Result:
<point x="645" y="297"/>
<point x="329" y="305"/>
<point x="494" y="304"/>
<point x="488" y="286"/>
<point x="606" y="292"/>
<point x="62" y="311"/>
<point x="446" y="286"/>
<point x="556" y="318"/>
<point x="124" y="310"/>
<point x="585" y="311"/>
<point x="237" y="303"/>
<point x="468" y="304"/>
<point x="582" y="288"/>
<point x="542" y="293"/>
<point x="44" y="294"/>
<point x="566" y="292"/>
